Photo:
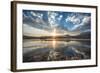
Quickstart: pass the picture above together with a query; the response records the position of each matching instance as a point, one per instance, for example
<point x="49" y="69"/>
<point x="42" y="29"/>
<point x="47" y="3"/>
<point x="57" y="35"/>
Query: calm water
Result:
<point x="55" y="50"/>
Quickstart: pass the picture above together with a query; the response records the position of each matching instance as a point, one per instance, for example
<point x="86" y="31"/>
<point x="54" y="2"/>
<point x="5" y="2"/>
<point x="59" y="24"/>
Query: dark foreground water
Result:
<point x="56" y="50"/>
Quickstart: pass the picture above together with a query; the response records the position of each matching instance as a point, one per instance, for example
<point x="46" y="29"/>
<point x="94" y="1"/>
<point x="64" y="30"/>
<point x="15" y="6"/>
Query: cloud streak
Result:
<point x="73" y="19"/>
<point x="31" y="31"/>
<point x="38" y="15"/>
<point x="78" y="21"/>
<point x="85" y="21"/>
<point x="52" y="19"/>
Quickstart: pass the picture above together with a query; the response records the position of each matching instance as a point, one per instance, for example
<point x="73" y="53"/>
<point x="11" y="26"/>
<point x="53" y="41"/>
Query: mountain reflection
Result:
<point x="35" y="50"/>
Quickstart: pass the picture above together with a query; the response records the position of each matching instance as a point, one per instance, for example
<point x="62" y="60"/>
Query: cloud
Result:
<point x="66" y="32"/>
<point x="35" y="19"/>
<point x="87" y="30"/>
<point x="38" y="24"/>
<point x="77" y="20"/>
<point x="52" y="19"/>
<point x="74" y="19"/>
<point x="25" y="16"/>
<point x="60" y="17"/>
<point x="38" y="15"/>
<point x="35" y="23"/>
<point x="86" y="20"/>
<point x="32" y="31"/>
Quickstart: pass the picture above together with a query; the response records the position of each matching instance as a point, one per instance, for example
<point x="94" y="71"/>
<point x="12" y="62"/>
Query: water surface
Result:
<point x="36" y="50"/>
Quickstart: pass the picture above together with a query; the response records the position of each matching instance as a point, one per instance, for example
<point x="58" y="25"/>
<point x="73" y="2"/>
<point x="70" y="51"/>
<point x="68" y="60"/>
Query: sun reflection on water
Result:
<point x="54" y="39"/>
<point x="54" y="43"/>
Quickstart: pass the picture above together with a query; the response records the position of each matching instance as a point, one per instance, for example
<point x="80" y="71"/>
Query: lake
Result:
<point x="37" y="50"/>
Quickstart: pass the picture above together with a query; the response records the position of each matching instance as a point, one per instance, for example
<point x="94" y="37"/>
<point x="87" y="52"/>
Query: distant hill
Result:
<point x="81" y="36"/>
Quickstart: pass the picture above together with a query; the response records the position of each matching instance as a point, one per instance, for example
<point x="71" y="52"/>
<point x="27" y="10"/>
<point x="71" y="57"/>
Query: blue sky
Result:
<point x="49" y="20"/>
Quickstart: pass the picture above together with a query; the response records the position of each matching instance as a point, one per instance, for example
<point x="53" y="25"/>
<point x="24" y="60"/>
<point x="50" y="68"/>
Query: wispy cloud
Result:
<point x="73" y="19"/>
<point x="60" y="17"/>
<point x="87" y="30"/>
<point x="78" y="21"/>
<point x="32" y="31"/>
<point x="39" y="15"/>
<point x="85" y="21"/>
<point x="52" y="19"/>
<point x="35" y="19"/>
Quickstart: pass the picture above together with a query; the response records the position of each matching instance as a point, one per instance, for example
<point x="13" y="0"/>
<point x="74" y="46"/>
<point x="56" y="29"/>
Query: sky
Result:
<point x="42" y="23"/>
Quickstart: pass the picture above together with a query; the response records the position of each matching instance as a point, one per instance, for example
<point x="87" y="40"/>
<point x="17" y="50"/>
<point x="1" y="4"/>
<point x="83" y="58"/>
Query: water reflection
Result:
<point x="55" y="50"/>
<point x="54" y="44"/>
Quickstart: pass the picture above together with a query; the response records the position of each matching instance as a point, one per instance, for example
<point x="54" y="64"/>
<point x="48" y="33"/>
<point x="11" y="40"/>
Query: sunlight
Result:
<point x="54" y="43"/>
<point x="54" y="34"/>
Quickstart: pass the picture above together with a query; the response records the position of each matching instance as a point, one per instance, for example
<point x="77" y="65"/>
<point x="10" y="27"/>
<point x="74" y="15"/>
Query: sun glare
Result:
<point x="54" y="33"/>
